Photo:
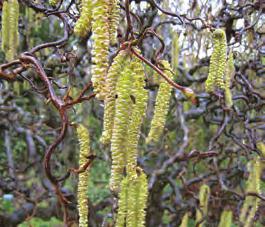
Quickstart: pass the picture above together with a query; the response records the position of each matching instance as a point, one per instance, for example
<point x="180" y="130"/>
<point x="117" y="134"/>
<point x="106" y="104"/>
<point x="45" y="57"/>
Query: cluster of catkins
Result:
<point x="133" y="198"/>
<point x="249" y="208"/>
<point x="251" y="203"/>
<point x="202" y="211"/>
<point x="124" y="109"/>
<point x="221" y="69"/>
<point x="122" y="87"/>
<point x="10" y="35"/>
<point x="102" y="18"/>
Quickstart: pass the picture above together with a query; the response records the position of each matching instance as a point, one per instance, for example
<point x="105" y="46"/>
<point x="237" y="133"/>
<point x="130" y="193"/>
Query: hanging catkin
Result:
<point x="5" y="26"/>
<point x="137" y="199"/>
<point x="217" y="62"/>
<point x="204" y="195"/>
<point x="251" y="203"/>
<point x="132" y="200"/>
<point x="261" y="147"/>
<point x="13" y="38"/>
<point x="100" y="37"/>
<point x="130" y="105"/>
<point x="83" y="25"/>
<point x="82" y="198"/>
<point x="123" y="109"/>
<point x="10" y="35"/>
<point x="139" y="96"/>
<point x="114" y="16"/>
<point x="175" y="52"/>
<point x="54" y="2"/>
<point x="123" y="203"/>
<point x="161" y="106"/>
<point x="184" y="221"/>
<point x="109" y="104"/>
<point x="229" y="74"/>
<point x="226" y="219"/>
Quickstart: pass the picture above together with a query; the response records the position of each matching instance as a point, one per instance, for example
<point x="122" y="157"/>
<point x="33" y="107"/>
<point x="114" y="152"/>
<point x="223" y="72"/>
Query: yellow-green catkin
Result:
<point x="139" y="98"/>
<point x="14" y="35"/>
<point x="142" y="195"/>
<point x="29" y="13"/>
<point x="129" y="101"/>
<point x="261" y="147"/>
<point x="83" y="25"/>
<point x="217" y="62"/>
<point x="251" y="203"/>
<point x="226" y="219"/>
<point x="133" y="200"/>
<point x="82" y="198"/>
<point x="10" y="35"/>
<point x="185" y="220"/>
<point x="123" y="203"/>
<point x="155" y="78"/>
<point x="109" y="105"/>
<point x="5" y="26"/>
<point x="230" y="71"/>
<point x="54" y="2"/>
<point x="33" y="25"/>
<point x="175" y="52"/>
<point x="17" y="87"/>
<point x="119" y="138"/>
<point x="26" y="85"/>
<point x="161" y="106"/>
<point x="100" y="37"/>
<point x="114" y="17"/>
<point x="204" y="195"/>
<point x="137" y="194"/>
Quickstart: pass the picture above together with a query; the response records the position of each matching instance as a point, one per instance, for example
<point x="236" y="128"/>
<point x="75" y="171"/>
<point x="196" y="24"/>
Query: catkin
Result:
<point x="100" y="37"/>
<point x="5" y="25"/>
<point x="175" y="52"/>
<point x="161" y="107"/>
<point x="139" y="96"/>
<point x="132" y="200"/>
<point x="261" y="147"/>
<point x="114" y="17"/>
<point x="17" y="88"/>
<point x="142" y="194"/>
<point x="54" y="2"/>
<point x="184" y="221"/>
<point x="109" y="104"/>
<point x="120" y="128"/>
<point x="217" y="62"/>
<point x="226" y="219"/>
<point x="138" y="194"/>
<point x="83" y="25"/>
<point x="14" y="36"/>
<point x="123" y="203"/>
<point x="230" y="71"/>
<point x="251" y="203"/>
<point x="103" y="17"/>
<point x="127" y="106"/>
<point x="82" y="198"/>
<point x="203" y="197"/>
<point x="222" y="48"/>
<point x="10" y="35"/>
